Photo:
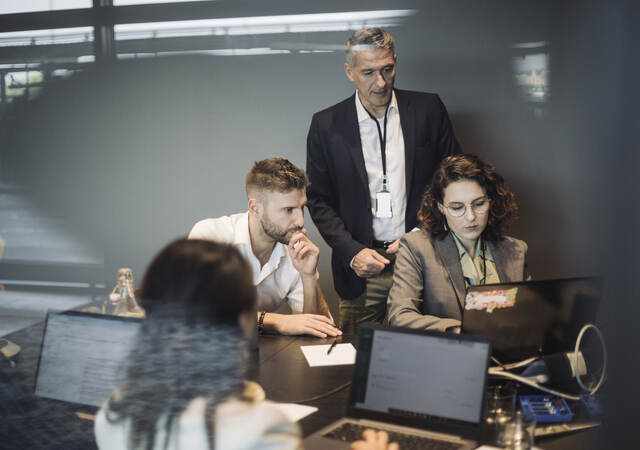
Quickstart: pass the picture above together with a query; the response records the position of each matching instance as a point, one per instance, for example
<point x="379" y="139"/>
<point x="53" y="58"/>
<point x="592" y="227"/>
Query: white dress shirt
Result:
<point x="392" y="228"/>
<point x="276" y="281"/>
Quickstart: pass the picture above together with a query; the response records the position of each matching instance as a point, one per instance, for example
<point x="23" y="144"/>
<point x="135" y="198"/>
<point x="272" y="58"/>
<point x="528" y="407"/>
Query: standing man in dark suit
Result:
<point x="369" y="159"/>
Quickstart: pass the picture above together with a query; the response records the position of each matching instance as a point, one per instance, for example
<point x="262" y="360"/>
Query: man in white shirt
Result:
<point x="369" y="159"/>
<point x="271" y="236"/>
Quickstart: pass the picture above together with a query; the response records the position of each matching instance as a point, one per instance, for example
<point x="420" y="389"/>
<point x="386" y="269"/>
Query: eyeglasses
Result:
<point x="479" y="206"/>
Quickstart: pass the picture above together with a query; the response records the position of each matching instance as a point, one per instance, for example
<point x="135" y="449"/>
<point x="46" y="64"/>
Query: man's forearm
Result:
<point x="271" y="322"/>
<point x="323" y="307"/>
<point x="314" y="301"/>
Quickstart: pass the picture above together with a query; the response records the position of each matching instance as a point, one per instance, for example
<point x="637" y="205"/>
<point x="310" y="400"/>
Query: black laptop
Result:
<point x="426" y="389"/>
<point x="83" y="356"/>
<point x="531" y="318"/>
<point x="534" y="318"/>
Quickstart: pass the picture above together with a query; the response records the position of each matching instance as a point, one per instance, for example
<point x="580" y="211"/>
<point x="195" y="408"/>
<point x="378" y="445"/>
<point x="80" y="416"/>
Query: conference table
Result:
<point x="286" y="377"/>
<point x="278" y="365"/>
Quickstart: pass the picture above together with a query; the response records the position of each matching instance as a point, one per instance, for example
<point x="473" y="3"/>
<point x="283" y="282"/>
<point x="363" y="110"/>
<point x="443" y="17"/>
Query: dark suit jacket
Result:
<point x="428" y="289"/>
<point x="339" y="199"/>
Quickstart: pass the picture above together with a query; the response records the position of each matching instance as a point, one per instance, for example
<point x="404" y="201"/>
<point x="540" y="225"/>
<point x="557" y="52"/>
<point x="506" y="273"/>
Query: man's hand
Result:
<point x="368" y="263"/>
<point x="393" y="248"/>
<point x="304" y="253"/>
<point x="295" y="324"/>
<point x="374" y="440"/>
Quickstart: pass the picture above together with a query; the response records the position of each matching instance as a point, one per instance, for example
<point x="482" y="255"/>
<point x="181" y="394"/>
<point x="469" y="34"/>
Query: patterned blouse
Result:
<point x="481" y="269"/>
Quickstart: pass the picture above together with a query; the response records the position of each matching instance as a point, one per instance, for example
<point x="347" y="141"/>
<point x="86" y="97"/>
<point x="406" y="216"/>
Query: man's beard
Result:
<point x="276" y="233"/>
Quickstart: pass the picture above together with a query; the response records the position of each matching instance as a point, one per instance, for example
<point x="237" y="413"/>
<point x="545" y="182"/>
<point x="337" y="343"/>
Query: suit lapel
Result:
<point x="448" y="253"/>
<point x="408" y="125"/>
<point x="351" y="132"/>
<point x="503" y="259"/>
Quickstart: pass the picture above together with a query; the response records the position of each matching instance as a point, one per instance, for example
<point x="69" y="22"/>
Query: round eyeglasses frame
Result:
<point x="477" y="209"/>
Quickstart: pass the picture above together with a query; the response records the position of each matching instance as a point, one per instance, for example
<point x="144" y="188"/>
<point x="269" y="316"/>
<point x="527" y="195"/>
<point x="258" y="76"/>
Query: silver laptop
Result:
<point x="83" y="356"/>
<point x="419" y="386"/>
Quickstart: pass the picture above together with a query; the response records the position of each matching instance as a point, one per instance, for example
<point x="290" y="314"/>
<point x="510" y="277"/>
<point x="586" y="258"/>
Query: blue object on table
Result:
<point x="546" y="408"/>
<point x="592" y="405"/>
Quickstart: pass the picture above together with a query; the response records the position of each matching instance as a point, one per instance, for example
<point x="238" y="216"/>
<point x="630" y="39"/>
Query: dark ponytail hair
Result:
<point x="191" y="344"/>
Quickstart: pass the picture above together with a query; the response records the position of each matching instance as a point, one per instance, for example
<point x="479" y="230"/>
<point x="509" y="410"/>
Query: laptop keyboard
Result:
<point x="350" y="432"/>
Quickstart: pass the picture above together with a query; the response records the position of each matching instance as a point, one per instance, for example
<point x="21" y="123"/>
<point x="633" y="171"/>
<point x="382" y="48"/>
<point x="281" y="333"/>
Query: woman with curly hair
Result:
<point x="464" y="216"/>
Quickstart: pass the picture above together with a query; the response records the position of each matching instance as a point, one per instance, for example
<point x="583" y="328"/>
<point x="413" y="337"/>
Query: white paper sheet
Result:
<point x="295" y="412"/>
<point x="342" y="354"/>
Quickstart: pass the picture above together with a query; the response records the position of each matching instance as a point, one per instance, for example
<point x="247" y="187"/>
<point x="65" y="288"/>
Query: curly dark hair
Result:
<point x="191" y="344"/>
<point x="502" y="213"/>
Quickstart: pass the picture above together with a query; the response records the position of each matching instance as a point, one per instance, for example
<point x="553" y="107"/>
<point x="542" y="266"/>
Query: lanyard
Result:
<point x="484" y="280"/>
<point x="484" y="262"/>
<point x="383" y="144"/>
<point x="483" y="257"/>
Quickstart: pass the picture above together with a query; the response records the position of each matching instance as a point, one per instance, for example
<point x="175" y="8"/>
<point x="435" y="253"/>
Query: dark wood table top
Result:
<point x="280" y="367"/>
<point x="286" y="377"/>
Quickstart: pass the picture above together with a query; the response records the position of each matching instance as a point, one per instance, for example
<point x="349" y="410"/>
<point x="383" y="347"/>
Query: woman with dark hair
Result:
<point x="464" y="215"/>
<point x="184" y="385"/>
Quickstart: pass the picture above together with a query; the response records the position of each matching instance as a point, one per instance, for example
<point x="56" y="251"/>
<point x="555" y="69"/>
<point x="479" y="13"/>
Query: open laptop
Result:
<point x="419" y="386"/>
<point x="531" y="318"/>
<point x="534" y="318"/>
<point x="83" y="356"/>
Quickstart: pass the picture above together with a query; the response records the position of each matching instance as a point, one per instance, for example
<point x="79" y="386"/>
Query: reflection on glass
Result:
<point x="47" y="37"/>
<point x="22" y="66"/>
<point x="295" y="23"/>
<point x="222" y="52"/>
<point x="28" y="80"/>
<point x="147" y="2"/>
<point x="62" y="73"/>
<point x="35" y="236"/>
<point x="531" y="71"/>
<point x="22" y="6"/>
<point x="26" y="84"/>
<point x="86" y="58"/>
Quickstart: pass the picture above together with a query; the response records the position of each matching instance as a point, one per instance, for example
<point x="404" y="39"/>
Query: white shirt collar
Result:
<point x="362" y="112"/>
<point x="243" y="237"/>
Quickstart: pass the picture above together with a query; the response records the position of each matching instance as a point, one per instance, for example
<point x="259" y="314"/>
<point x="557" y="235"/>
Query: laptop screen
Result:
<point x="421" y="375"/>
<point x="82" y="356"/>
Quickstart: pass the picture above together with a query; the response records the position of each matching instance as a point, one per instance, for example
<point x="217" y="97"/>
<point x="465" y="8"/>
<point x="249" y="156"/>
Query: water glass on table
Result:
<point x="518" y="433"/>
<point x="501" y="404"/>
<point x="501" y="407"/>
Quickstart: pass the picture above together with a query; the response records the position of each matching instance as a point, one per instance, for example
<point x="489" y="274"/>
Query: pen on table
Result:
<point x="332" y="346"/>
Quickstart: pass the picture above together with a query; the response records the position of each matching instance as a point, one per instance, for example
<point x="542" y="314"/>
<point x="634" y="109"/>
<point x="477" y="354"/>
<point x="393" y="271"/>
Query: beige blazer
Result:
<point x="428" y="289"/>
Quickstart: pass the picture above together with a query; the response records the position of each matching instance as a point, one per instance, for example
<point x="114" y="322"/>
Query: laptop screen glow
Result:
<point x="83" y="355"/>
<point x="426" y="376"/>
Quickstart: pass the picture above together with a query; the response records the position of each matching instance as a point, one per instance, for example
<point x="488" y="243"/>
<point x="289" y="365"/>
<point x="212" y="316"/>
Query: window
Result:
<point x="23" y="6"/>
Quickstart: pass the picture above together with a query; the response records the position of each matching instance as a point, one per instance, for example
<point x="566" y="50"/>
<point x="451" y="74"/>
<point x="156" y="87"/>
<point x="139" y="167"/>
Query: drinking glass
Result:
<point x="501" y="406"/>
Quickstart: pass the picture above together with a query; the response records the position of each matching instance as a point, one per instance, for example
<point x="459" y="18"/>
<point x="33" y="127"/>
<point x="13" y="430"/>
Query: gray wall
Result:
<point x="133" y="154"/>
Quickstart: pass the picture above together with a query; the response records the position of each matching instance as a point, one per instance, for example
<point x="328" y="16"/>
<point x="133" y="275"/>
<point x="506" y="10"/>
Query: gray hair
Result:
<point x="369" y="39"/>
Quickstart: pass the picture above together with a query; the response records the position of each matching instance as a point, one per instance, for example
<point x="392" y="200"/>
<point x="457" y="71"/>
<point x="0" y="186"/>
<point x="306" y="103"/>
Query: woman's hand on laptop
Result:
<point x="374" y="440"/>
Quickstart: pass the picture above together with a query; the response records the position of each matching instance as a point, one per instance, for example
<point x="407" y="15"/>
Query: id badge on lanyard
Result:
<point x="383" y="197"/>
<point x="383" y="204"/>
